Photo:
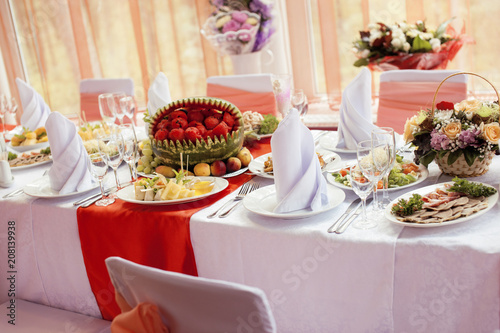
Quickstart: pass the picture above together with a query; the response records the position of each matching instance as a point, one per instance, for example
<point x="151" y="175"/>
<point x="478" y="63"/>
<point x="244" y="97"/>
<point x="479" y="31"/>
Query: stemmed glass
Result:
<point x="117" y="109"/>
<point x="115" y="147"/>
<point x="282" y="84"/>
<point x="98" y="167"/>
<point x="130" y="148"/>
<point x="362" y="186"/>
<point x="365" y="159"/>
<point x="106" y="108"/>
<point x="127" y="104"/>
<point x="385" y="135"/>
<point x="299" y="102"/>
<point x="12" y="109"/>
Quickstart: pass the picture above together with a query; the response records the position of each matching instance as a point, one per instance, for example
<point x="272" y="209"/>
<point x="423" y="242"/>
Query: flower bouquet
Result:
<point x="407" y="46"/>
<point x="239" y="26"/>
<point x="462" y="138"/>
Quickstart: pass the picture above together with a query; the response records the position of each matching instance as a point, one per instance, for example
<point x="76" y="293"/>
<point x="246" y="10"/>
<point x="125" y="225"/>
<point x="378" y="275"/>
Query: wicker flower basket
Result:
<point x="460" y="167"/>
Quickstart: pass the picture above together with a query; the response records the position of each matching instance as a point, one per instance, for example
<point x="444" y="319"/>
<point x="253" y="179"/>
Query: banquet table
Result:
<point x="386" y="279"/>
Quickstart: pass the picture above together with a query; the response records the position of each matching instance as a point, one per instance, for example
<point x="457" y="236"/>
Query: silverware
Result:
<point x="241" y="194"/>
<point x="354" y="205"/>
<point x="226" y="213"/>
<point x="347" y="223"/>
<point x="14" y="193"/>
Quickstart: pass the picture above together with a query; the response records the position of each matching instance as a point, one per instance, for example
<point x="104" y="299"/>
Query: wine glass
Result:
<point x="106" y="108"/>
<point x="299" y="102"/>
<point x="115" y="147"/>
<point x="98" y="167"/>
<point x="365" y="162"/>
<point x="117" y="109"/>
<point x="130" y="148"/>
<point x="386" y="135"/>
<point x="127" y="104"/>
<point x="362" y="186"/>
<point x="13" y="109"/>
<point x="282" y="84"/>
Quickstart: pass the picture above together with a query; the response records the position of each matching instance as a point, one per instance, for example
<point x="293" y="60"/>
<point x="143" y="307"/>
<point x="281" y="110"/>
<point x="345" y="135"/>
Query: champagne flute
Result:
<point x="114" y="153"/>
<point x="365" y="161"/>
<point x="362" y="186"/>
<point x="98" y="167"/>
<point x="282" y="84"/>
<point x="106" y="108"/>
<point x="386" y="134"/>
<point x="127" y="104"/>
<point x="130" y="148"/>
<point x="117" y="109"/>
<point x="299" y="102"/>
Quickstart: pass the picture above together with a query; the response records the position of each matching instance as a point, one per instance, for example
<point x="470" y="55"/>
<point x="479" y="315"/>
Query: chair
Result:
<point x="192" y="304"/>
<point x="252" y="92"/>
<point x="32" y="317"/>
<point x="403" y="93"/>
<point x="90" y="89"/>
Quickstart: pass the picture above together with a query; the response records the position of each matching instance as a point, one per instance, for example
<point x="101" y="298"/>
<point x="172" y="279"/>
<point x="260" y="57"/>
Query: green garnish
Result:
<point x="473" y="189"/>
<point x="11" y="156"/>
<point x="269" y="124"/>
<point x="45" y="151"/>
<point x="407" y="207"/>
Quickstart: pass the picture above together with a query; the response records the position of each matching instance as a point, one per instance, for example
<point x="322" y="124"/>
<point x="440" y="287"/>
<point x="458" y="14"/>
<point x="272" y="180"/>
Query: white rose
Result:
<point x="435" y="44"/>
<point x="374" y="34"/>
<point x="396" y="42"/>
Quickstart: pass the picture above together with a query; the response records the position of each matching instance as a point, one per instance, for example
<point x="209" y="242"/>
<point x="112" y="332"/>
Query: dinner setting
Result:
<point x="249" y="166"/>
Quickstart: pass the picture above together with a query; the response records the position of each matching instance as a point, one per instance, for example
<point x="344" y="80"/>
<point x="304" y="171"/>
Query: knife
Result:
<point x="355" y="204"/>
<point x="347" y="223"/>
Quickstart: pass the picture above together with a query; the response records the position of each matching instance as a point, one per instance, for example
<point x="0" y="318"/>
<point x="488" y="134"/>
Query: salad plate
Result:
<point x="423" y="174"/>
<point x="492" y="200"/>
<point x="41" y="189"/>
<point x="128" y="194"/>
<point x="263" y="201"/>
<point x="29" y="154"/>
<point x="22" y="149"/>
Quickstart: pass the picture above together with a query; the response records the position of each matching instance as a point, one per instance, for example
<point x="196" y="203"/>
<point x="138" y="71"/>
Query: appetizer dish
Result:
<point x="29" y="158"/>
<point x="447" y="202"/>
<point x="29" y="138"/>
<point x="258" y="125"/>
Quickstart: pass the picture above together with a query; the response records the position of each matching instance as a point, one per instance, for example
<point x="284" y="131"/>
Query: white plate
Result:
<point x="23" y="149"/>
<point x="263" y="201"/>
<point x="256" y="166"/>
<point x="128" y="194"/>
<point x="424" y="173"/>
<point x="41" y="189"/>
<point x="227" y="175"/>
<point x="30" y="165"/>
<point x="492" y="200"/>
<point x="329" y="142"/>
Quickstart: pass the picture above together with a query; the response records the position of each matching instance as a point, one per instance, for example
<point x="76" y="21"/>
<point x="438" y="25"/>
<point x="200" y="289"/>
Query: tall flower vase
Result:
<point x="251" y="63"/>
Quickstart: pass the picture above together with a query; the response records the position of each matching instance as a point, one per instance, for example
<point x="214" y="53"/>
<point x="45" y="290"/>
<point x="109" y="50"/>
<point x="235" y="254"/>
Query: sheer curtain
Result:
<point x="53" y="44"/>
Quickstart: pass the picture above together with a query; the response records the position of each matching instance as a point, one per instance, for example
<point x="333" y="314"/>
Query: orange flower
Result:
<point x="452" y="130"/>
<point x="410" y="126"/>
<point x="469" y="107"/>
<point x="491" y="132"/>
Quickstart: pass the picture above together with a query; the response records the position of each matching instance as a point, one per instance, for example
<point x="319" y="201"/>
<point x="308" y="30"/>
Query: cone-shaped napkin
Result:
<point x="35" y="110"/>
<point x="356" y="123"/>
<point x="69" y="172"/>
<point x="297" y="172"/>
<point x="158" y="94"/>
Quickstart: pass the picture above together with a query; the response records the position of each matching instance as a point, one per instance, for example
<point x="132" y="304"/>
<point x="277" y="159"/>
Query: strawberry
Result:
<point x="179" y="123"/>
<point x="161" y="135"/>
<point x="179" y="113"/>
<point x="211" y="122"/>
<point x="221" y="129"/>
<point x="176" y="134"/>
<point x="192" y="133"/>
<point x="195" y="116"/>
<point x="228" y="119"/>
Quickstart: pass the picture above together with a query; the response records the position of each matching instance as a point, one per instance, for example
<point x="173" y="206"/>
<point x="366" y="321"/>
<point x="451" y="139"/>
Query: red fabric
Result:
<point x="7" y="128"/>
<point x="264" y="103"/>
<point x="156" y="236"/>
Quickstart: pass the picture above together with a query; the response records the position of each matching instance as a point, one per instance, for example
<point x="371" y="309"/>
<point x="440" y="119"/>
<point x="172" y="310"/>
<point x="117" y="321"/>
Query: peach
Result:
<point x="233" y="164"/>
<point x="244" y="156"/>
<point x="166" y="171"/>
<point x="218" y="168"/>
<point x="202" y="170"/>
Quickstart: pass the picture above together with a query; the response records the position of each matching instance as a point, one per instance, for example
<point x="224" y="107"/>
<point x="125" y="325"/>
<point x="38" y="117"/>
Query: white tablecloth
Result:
<point x="388" y="279"/>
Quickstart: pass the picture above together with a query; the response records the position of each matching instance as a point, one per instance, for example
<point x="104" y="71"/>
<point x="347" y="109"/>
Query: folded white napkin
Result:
<point x="356" y="122"/>
<point x="297" y="172"/>
<point x="35" y="110"/>
<point x="69" y="172"/>
<point x="158" y="94"/>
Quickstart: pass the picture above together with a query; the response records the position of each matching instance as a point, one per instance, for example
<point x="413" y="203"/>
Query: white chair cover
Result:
<point x="193" y="304"/>
<point x="93" y="86"/>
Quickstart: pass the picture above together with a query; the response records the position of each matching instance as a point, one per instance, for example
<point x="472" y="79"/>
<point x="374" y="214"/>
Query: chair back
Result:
<point x="90" y="89"/>
<point x="403" y="93"/>
<point x="192" y="304"/>
<point x="250" y="92"/>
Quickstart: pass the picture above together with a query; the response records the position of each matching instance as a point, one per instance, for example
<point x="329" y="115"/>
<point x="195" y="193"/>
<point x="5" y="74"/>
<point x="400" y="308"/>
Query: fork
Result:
<point x="253" y="188"/>
<point x="241" y="194"/>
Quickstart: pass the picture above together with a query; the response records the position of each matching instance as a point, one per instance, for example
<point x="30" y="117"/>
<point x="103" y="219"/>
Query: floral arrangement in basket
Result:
<point x="468" y="130"/>
<point x="407" y="46"/>
<point x="239" y="26"/>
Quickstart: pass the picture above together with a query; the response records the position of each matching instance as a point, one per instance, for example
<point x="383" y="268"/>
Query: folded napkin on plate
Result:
<point x="356" y="122"/>
<point x="297" y="173"/>
<point x="158" y="94"/>
<point x="35" y="110"/>
<point x="69" y="172"/>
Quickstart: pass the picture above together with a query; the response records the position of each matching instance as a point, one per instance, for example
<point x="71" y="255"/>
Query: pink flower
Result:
<point x="246" y="26"/>
<point x="244" y="36"/>
<point x="239" y="17"/>
<point x="231" y="26"/>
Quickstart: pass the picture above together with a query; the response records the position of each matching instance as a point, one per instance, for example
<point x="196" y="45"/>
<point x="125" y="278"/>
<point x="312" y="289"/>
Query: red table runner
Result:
<point x="156" y="236"/>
